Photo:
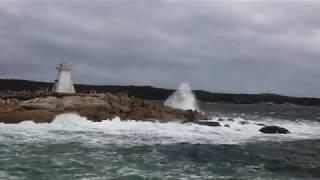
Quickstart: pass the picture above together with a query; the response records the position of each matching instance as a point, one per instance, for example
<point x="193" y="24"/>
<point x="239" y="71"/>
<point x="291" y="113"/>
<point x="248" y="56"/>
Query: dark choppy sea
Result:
<point x="73" y="148"/>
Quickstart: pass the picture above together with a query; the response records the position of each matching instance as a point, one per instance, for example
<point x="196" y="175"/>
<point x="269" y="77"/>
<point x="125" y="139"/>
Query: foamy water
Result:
<point x="71" y="127"/>
<point x="72" y="147"/>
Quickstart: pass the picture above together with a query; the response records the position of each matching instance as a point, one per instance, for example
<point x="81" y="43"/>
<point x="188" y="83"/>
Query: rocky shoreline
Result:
<point x="98" y="107"/>
<point x="95" y="107"/>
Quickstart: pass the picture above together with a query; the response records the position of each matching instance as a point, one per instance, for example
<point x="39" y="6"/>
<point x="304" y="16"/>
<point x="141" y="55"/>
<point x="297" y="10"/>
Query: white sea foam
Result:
<point x="73" y="128"/>
<point x="183" y="98"/>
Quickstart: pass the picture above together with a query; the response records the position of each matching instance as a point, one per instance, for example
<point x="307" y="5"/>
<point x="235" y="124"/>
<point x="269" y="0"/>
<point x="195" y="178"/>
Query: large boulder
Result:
<point x="274" y="130"/>
<point x="46" y="103"/>
<point x="70" y="102"/>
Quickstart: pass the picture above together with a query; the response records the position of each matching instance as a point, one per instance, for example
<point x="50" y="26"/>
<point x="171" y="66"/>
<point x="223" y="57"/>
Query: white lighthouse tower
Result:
<point x="64" y="83"/>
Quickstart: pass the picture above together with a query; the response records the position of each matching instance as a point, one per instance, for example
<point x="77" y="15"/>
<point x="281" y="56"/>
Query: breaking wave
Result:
<point x="183" y="98"/>
<point x="73" y="128"/>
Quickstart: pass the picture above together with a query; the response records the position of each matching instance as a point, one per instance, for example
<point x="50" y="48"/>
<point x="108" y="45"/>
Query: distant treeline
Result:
<point x="9" y="86"/>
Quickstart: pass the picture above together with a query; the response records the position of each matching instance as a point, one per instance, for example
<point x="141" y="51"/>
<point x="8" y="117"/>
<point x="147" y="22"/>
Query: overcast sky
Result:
<point x="234" y="47"/>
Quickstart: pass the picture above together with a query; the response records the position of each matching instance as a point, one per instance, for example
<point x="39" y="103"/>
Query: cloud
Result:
<point x="239" y="47"/>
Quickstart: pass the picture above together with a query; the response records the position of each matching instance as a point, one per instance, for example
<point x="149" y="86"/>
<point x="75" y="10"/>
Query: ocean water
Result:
<point x="74" y="148"/>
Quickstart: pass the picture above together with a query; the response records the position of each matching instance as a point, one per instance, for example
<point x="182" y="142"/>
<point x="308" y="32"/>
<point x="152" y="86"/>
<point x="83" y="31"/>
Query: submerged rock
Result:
<point x="209" y="123"/>
<point x="274" y="130"/>
<point x="244" y="122"/>
<point x="260" y="124"/>
<point x="230" y="119"/>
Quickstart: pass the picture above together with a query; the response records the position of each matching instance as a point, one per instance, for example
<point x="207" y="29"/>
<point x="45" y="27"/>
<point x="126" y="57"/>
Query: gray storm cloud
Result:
<point x="242" y="47"/>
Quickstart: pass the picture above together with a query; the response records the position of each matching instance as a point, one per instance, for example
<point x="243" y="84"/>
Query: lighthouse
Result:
<point x="64" y="83"/>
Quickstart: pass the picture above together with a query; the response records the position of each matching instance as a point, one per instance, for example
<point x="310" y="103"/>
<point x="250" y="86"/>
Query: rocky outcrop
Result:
<point x="95" y="107"/>
<point x="38" y="116"/>
<point x="274" y="130"/>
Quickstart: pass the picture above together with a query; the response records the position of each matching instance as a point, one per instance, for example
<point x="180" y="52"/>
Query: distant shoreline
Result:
<point x="14" y="87"/>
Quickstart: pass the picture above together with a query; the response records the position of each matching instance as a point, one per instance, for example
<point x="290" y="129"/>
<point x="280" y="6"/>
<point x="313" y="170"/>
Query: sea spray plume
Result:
<point x="182" y="98"/>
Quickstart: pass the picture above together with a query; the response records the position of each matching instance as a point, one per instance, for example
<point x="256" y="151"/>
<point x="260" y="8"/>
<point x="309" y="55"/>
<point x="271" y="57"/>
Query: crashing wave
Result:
<point x="182" y="98"/>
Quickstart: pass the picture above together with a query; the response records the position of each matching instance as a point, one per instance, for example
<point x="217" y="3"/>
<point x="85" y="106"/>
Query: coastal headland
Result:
<point x="23" y="88"/>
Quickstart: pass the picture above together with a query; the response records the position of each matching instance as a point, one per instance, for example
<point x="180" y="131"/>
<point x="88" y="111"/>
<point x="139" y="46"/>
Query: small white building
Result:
<point x="64" y="83"/>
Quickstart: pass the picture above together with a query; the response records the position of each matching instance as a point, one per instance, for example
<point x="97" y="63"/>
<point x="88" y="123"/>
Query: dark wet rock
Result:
<point x="221" y="119"/>
<point x="226" y="125"/>
<point x="190" y="116"/>
<point x="209" y="123"/>
<point x="244" y="122"/>
<point x="230" y="119"/>
<point x="274" y="130"/>
<point x="260" y="124"/>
